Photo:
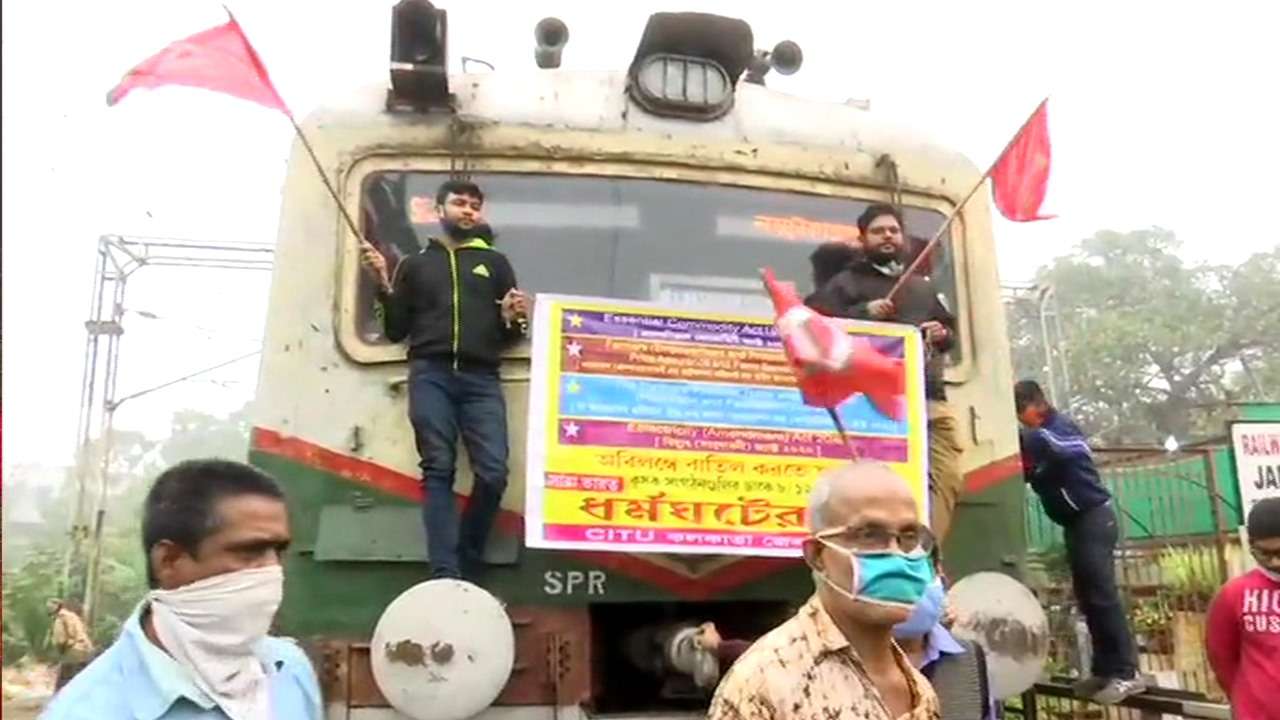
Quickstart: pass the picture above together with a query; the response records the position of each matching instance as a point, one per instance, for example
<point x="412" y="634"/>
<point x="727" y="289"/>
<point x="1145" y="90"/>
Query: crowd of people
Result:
<point x="872" y="642"/>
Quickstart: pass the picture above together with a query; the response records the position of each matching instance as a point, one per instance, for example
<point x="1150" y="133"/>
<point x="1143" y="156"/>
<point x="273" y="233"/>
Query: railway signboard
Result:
<point x="1255" y="450"/>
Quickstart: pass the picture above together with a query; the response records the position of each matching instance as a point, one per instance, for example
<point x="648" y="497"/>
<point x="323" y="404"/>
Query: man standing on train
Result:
<point x="860" y="292"/>
<point x="456" y="305"/>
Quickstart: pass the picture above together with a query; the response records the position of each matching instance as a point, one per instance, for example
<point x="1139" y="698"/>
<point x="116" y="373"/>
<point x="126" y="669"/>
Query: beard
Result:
<point x="882" y="254"/>
<point x="456" y="231"/>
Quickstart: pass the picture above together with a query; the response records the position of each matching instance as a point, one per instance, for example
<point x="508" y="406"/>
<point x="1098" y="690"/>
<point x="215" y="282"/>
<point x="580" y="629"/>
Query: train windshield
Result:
<point x="677" y="243"/>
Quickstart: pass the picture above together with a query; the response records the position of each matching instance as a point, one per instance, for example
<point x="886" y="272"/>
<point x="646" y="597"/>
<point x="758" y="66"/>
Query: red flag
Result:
<point x="831" y="365"/>
<point x="218" y="59"/>
<point x="1021" y="176"/>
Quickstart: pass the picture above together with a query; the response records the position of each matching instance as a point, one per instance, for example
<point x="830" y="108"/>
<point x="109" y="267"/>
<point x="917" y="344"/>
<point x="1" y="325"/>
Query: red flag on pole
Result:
<point x="223" y="60"/>
<point x="831" y="365"/>
<point x="1020" y="177"/>
<point x="218" y="59"/>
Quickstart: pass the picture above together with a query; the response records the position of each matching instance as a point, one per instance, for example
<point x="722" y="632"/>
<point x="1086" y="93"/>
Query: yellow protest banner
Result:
<point x="660" y="430"/>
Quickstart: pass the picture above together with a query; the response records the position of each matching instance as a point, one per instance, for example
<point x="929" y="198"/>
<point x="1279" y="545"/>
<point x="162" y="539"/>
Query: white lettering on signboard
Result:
<point x="1256" y="447"/>
<point x="574" y="582"/>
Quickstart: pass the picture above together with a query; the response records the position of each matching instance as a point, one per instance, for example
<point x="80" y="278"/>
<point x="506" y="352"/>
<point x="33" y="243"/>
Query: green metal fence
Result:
<point x="1160" y="497"/>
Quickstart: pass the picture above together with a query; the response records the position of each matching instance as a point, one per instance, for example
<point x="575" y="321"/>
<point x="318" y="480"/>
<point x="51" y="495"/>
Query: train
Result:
<point x="671" y="181"/>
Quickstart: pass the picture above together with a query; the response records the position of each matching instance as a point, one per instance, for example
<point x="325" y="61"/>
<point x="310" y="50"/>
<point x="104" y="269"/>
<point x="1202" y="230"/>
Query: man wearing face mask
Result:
<point x="956" y="669"/>
<point x="860" y="292"/>
<point x="457" y="307"/>
<point x="197" y="646"/>
<point x="1242" y="634"/>
<point x="836" y="659"/>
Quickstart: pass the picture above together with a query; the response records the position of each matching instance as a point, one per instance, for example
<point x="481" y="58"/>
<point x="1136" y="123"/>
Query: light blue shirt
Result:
<point x="136" y="680"/>
<point x="940" y="642"/>
<point x="937" y="643"/>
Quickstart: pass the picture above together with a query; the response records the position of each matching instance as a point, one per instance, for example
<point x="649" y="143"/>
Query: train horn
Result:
<point x="551" y="35"/>
<point x="786" y="57"/>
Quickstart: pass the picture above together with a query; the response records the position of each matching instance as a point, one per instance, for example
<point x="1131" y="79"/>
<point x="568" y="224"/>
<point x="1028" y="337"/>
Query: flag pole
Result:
<point x="297" y="130"/>
<point x="844" y="436"/>
<point x="324" y="178"/>
<point x="937" y="236"/>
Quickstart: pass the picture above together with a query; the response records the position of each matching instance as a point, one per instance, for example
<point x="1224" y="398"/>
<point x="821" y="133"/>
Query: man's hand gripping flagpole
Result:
<point x="830" y="365"/>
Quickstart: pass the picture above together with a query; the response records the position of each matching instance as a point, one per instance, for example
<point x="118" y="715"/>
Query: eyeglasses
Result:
<point x="917" y="540"/>
<point x="1265" y="557"/>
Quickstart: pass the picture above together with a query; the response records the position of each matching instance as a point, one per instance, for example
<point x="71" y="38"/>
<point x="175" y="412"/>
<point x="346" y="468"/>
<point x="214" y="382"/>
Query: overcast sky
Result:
<point x="1161" y="114"/>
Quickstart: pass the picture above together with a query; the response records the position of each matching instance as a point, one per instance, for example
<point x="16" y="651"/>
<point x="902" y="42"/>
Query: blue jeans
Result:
<point x="443" y="401"/>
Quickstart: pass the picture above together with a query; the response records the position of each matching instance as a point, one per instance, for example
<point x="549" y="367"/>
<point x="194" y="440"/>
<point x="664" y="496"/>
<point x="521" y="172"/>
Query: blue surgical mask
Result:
<point x="925" y="614"/>
<point x="885" y="578"/>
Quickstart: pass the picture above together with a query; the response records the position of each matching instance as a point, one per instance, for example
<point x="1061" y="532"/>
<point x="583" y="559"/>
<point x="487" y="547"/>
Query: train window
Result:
<point x="673" y="242"/>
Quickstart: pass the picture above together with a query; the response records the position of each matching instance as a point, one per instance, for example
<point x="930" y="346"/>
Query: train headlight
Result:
<point x="687" y="64"/>
<point x="682" y="86"/>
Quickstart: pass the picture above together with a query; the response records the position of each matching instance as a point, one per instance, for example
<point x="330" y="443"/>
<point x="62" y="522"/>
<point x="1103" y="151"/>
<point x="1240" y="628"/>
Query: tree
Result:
<point x="26" y="620"/>
<point x="194" y="434"/>
<point x="1155" y="344"/>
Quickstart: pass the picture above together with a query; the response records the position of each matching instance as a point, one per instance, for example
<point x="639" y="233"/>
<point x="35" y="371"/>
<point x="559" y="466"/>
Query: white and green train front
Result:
<point x="595" y="192"/>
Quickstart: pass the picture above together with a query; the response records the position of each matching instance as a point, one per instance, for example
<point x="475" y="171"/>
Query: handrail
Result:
<point x="1165" y="701"/>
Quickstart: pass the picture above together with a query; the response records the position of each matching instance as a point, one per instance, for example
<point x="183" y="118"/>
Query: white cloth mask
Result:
<point x="211" y="627"/>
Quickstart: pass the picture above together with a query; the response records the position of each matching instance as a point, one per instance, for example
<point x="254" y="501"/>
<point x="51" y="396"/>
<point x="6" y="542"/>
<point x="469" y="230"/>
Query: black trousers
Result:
<point x="1091" y="539"/>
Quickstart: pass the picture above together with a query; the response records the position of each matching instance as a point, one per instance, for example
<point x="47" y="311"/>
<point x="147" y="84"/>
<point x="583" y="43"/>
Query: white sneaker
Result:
<point x="1118" y="689"/>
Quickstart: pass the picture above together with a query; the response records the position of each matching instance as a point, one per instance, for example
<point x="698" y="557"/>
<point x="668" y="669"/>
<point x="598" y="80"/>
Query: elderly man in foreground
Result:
<point x="836" y="659"/>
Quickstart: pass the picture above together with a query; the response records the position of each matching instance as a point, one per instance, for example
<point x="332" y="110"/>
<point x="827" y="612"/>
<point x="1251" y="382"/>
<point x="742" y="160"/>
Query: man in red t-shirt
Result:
<point x="1243" y="634"/>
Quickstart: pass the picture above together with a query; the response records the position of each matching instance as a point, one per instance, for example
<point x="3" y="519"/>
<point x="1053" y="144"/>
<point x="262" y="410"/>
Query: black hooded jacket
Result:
<point x="446" y="303"/>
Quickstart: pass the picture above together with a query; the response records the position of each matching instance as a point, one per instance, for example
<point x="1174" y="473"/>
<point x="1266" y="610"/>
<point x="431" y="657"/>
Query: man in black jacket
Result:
<point x="455" y="303"/>
<point x="861" y="292"/>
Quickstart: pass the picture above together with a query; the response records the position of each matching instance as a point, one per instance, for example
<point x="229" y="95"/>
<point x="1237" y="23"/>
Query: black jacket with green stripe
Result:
<point x="446" y="304"/>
